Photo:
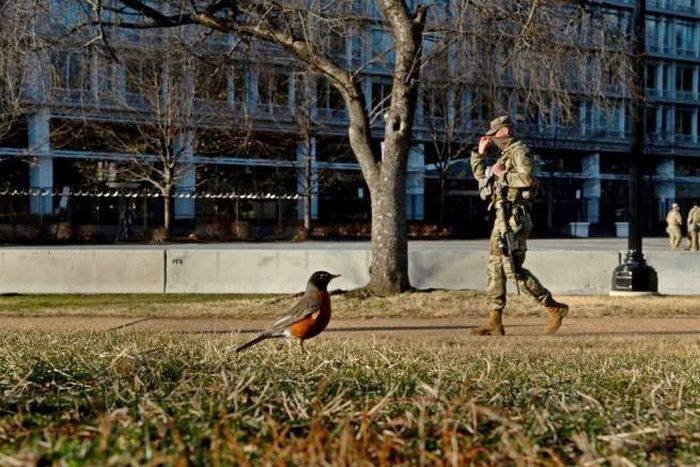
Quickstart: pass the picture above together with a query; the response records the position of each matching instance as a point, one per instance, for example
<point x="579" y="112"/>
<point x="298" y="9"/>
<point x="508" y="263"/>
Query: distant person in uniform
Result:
<point x="693" y="227"/>
<point x="674" y="220"/>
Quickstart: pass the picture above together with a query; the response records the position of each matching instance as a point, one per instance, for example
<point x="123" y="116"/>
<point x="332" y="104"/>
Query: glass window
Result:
<point x="435" y="99"/>
<point x="652" y="37"/>
<point x="69" y="13"/>
<point x="684" y="118"/>
<point x="383" y="47"/>
<point x="329" y="98"/>
<point x="108" y="81"/>
<point x="686" y="6"/>
<point x="356" y="49"/>
<point x="273" y="86"/>
<point x="685" y="38"/>
<point x="650" y="126"/>
<point x="381" y="94"/>
<point x="651" y="77"/>
<point x="71" y="70"/>
<point x="337" y="44"/>
<point x="237" y="82"/>
<point x="211" y="80"/>
<point x="140" y="75"/>
<point x="684" y="78"/>
<point x="481" y="107"/>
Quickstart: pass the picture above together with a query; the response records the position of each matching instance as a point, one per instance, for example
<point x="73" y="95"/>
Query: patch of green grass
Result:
<point x="164" y="398"/>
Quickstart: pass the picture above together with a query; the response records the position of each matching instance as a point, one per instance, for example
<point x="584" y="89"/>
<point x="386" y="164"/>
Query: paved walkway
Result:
<point x="399" y="327"/>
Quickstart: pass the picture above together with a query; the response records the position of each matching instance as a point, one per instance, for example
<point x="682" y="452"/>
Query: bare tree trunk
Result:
<point x="166" y="214"/>
<point x="308" y="187"/>
<point x="441" y="215"/>
<point x="389" y="267"/>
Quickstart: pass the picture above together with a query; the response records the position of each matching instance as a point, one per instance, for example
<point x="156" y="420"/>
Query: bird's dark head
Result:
<point x="320" y="279"/>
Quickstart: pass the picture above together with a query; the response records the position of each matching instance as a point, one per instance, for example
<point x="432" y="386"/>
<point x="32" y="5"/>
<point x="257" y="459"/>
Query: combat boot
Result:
<point x="557" y="311"/>
<point x="493" y="327"/>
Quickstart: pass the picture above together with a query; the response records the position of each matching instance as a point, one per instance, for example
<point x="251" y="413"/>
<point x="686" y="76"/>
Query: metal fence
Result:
<point x="106" y="216"/>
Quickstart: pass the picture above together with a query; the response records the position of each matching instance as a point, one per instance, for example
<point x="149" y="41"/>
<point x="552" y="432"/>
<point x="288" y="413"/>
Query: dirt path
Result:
<point x="399" y="327"/>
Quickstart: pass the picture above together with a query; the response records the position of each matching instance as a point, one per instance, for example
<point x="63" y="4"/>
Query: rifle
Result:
<point x="506" y="239"/>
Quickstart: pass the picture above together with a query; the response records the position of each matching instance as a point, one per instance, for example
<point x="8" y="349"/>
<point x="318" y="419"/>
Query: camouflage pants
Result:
<point x="674" y="237"/>
<point x="693" y="240"/>
<point x="499" y="270"/>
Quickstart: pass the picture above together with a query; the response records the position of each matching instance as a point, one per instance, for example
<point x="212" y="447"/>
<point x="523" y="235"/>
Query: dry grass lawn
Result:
<point x="433" y="304"/>
<point x="121" y="398"/>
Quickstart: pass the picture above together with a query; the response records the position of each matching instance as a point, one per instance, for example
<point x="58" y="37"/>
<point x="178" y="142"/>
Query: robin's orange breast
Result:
<point x="314" y="324"/>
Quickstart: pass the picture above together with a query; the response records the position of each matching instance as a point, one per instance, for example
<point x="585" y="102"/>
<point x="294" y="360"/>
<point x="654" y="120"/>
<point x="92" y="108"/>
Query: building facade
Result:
<point x="582" y="166"/>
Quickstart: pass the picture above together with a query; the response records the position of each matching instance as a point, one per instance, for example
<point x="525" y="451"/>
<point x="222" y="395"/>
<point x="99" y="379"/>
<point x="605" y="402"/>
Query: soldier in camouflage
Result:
<point x="509" y="182"/>
<point x="694" y="227"/>
<point x="674" y="220"/>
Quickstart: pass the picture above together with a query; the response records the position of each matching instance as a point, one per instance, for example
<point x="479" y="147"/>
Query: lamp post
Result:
<point x="634" y="276"/>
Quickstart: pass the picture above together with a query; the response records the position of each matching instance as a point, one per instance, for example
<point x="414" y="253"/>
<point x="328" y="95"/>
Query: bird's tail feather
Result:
<point x="260" y="338"/>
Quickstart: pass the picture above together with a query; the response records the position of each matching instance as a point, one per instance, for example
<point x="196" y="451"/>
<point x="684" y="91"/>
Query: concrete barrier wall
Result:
<point x="25" y="270"/>
<point x="679" y="272"/>
<point x="260" y="271"/>
<point x="212" y="270"/>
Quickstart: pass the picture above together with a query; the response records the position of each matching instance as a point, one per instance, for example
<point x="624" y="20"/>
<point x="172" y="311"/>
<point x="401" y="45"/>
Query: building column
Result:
<point x="591" y="187"/>
<point x="251" y="85"/>
<point x="415" y="183"/>
<point x="661" y="40"/>
<point x="467" y="99"/>
<point x="694" y="126"/>
<point x="621" y="119"/>
<point x="660" y="79"/>
<point x="671" y="124"/>
<point x="367" y="89"/>
<point x="41" y="170"/>
<point x="666" y="172"/>
<point x="582" y="117"/>
<point x="301" y="178"/>
<point x="186" y="176"/>
<point x="419" y="117"/>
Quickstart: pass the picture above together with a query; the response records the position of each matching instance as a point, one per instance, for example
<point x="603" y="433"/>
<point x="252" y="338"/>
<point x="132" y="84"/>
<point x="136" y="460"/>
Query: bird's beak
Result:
<point x="333" y="276"/>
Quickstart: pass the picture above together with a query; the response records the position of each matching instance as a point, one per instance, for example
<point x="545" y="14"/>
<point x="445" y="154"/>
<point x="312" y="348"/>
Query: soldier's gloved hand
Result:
<point x="498" y="170"/>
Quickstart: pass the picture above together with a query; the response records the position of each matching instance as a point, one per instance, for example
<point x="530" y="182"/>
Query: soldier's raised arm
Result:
<point x="478" y="163"/>
<point x="521" y="175"/>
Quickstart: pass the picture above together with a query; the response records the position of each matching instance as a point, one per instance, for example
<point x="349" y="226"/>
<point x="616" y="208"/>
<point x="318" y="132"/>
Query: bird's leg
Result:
<point x="303" y="350"/>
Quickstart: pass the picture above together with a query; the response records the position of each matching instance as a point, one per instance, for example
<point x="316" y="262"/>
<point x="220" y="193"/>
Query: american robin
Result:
<point x="307" y="318"/>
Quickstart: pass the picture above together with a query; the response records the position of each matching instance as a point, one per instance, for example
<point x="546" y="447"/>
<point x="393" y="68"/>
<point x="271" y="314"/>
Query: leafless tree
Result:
<point x="444" y="94"/>
<point x="305" y="117"/>
<point x="168" y="92"/>
<point x="317" y="104"/>
<point x="19" y="44"/>
<point x="485" y="58"/>
<point x="510" y="42"/>
<point x="296" y="27"/>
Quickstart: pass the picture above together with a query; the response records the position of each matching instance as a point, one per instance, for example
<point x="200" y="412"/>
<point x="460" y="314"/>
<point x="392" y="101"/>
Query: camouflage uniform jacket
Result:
<point x="694" y="216"/>
<point x="674" y="219"/>
<point x="518" y="177"/>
